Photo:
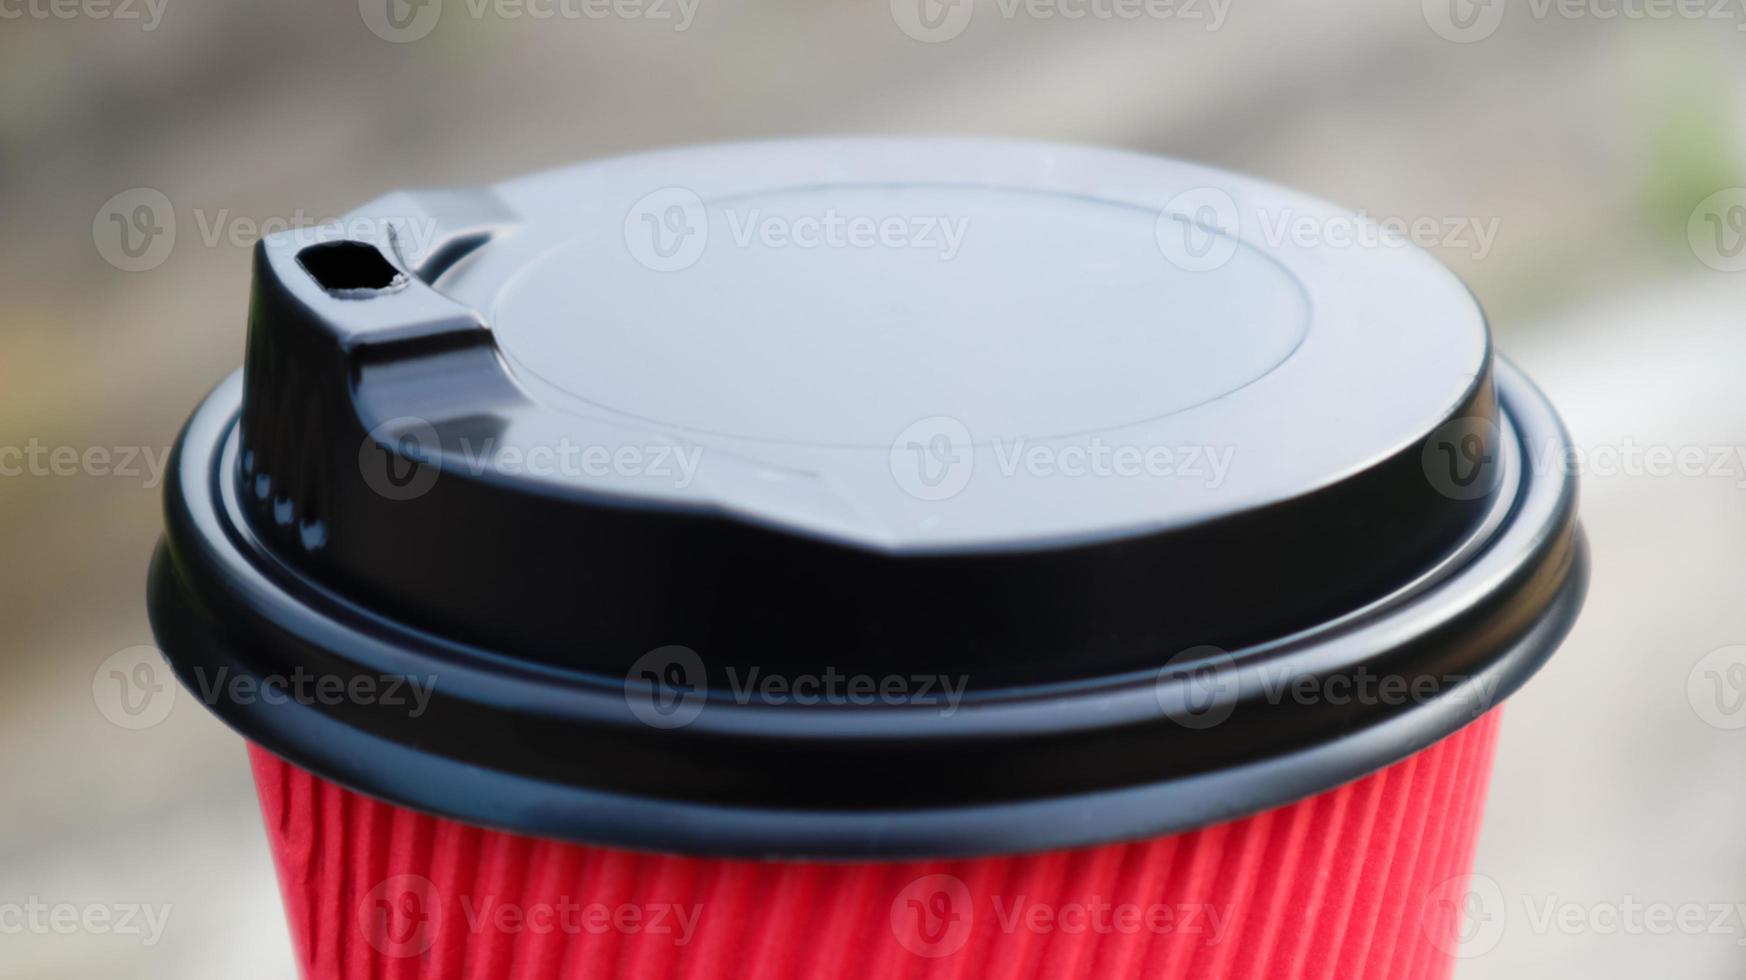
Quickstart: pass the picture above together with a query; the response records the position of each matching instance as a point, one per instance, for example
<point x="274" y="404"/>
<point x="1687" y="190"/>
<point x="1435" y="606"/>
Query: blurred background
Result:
<point x="1588" y="158"/>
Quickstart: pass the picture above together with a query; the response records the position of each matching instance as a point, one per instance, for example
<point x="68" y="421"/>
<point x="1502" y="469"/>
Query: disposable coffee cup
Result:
<point x="868" y="558"/>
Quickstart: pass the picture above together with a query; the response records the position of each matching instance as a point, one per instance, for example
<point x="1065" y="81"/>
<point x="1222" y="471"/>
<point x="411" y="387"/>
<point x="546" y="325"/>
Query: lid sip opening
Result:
<point x="351" y="269"/>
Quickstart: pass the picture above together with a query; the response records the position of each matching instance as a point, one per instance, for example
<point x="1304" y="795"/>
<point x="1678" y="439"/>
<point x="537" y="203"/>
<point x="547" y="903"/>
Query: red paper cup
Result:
<point x="677" y="537"/>
<point x="1364" y="881"/>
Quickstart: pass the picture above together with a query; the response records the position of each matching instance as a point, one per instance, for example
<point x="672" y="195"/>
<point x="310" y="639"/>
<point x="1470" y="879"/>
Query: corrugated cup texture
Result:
<point x="1364" y="881"/>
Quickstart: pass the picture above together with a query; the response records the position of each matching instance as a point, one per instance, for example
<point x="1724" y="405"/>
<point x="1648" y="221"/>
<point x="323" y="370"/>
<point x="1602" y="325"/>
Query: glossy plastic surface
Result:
<point x="360" y="501"/>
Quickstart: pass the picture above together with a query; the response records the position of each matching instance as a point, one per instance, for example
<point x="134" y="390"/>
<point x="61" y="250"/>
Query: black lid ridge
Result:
<point x="1106" y="655"/>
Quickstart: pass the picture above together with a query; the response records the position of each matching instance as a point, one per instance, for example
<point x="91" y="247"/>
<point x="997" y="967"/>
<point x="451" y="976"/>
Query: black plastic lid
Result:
<point x="862" y="498"/>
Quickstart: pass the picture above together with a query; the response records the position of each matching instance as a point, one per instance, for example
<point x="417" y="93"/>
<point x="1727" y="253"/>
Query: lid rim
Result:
<point x="206" y="631"/>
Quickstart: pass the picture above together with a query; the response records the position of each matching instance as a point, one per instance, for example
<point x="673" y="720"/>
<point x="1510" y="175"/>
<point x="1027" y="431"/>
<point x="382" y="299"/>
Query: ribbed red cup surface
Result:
<point x="1351" y="884"/>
